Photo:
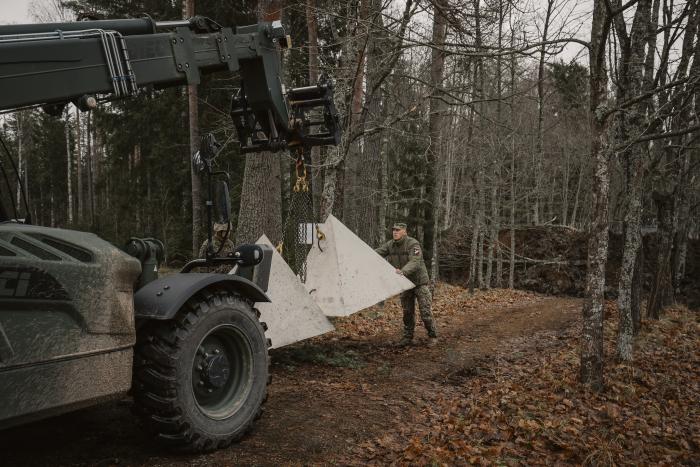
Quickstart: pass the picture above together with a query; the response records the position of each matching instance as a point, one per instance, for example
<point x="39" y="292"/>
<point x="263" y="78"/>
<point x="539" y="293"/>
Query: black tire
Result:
<point x="200" y="379"/>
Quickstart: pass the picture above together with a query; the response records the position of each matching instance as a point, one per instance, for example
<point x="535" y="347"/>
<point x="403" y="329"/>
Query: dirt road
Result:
<point x="327" y="396"/>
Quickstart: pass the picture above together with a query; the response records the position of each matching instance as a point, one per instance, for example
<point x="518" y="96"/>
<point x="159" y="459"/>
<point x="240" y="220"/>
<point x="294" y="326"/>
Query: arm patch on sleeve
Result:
<point x="416" y="251"/>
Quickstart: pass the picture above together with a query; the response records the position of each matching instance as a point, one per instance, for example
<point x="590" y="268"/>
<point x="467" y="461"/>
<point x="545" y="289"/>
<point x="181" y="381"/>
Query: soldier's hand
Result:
<point x="399" y="271"/>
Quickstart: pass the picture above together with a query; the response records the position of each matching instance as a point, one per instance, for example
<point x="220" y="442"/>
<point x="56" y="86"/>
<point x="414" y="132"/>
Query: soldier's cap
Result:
<point x="399" y="225"/>
<point x="221" y="227"/>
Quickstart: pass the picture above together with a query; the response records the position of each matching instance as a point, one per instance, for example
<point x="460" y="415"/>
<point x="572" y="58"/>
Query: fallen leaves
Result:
<point x="529" y="409"/>
<point x="449" y="302"/>
<point x="504" y="385"/>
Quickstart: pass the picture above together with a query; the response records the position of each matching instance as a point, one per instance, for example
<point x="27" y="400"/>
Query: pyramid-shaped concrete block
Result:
<point x="345" y="275"/>
<point x="292" y="315"/>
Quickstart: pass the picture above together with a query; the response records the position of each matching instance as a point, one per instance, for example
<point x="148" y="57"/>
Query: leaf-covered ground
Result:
<point x="526" y="407"/>
<point x="499" y="389"/>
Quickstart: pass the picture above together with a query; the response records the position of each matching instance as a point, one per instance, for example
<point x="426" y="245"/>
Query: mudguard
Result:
<point x="162" y="298"/>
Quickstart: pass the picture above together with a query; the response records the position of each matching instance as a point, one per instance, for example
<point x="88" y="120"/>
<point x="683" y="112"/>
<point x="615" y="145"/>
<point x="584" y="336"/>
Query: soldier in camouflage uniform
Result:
<point x="216" y="241"/>
<point x="406" y="255"/>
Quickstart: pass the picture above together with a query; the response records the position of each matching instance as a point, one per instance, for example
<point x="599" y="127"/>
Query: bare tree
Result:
<point x="494" y="246"/>
<point x="69" y="165"/>
<point x="49" y="11"/>
<point x="314" y="74"/>
<point x="592" y="335"/>
<point x="435" y="127"/>
<point x="633" y="123"/>
<point x="351" y="66"/>
<point x="79" y="163"/>
<point x="539" y="149"/>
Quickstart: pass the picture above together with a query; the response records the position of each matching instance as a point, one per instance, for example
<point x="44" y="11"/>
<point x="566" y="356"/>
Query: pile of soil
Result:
<point x="548" y="259"/>
<point x="552" y="260"/>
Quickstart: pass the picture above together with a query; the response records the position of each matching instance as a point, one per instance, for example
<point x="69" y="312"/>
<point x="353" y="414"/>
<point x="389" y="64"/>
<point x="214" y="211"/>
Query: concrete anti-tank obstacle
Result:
<point x="292" y="315"/>
<point x="345" y="275"/>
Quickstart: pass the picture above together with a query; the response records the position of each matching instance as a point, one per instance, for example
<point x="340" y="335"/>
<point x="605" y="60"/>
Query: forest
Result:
<point x="548" y="145"/>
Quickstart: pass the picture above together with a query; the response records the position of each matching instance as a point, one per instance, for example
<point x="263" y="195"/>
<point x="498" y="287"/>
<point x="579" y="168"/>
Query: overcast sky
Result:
<point x="14" y="11"/>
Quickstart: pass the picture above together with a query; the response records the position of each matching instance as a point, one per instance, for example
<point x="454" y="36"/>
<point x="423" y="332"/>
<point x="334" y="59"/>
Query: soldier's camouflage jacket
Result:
<point x="406" y="254"/>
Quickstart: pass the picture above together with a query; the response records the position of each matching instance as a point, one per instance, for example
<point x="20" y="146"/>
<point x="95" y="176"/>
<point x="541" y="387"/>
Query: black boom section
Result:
<point x="162" y="298"/>
<point x="89" y="62"/>
<point x="60" y="70"/>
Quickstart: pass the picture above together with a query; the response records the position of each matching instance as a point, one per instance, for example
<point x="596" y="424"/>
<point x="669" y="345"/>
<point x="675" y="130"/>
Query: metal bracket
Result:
<point x="226" y="55"/>
<point x="183" y="52"/>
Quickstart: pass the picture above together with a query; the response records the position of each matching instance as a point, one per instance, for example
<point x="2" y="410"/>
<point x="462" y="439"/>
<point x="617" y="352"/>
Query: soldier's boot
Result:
<point x="432" y="334"/>
<point x="405" y="341"/>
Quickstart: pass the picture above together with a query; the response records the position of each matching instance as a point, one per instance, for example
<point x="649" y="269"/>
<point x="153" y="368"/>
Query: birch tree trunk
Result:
<point x="435" y="119"/>
<point x="90" y="150"/>
<point x="511" y="266"/>
<point x="661" y="293"/>
<point x="631" y="125"/>
<point x="350" y="196"/>
<point x="69" y="170"/>
<point x="20" y="156"/>
<point x="493" y="231"/>
<point x="476" y="252"/>
<point x="382" y="222"/>
<point x="480" y="258"/>
<point x="629" y="261"/>
<point x="680" y="242"/>
<point x="494" y="246"/>
<point x="79" y="162"/>
<point x="565" y="189"/>
<point x="42" y="205"/>
<point x="637" y="286"/>
<point x="477" y="249"/>
<point x="332" y="196"/>
<point x="686" y="178"/>
<point x="330" y="180"/>
<point x="53" y="210"/>
<point x="369" y="170"/>
<point x="539" y="149"/>
<point x="592" y="312"/>
<point x="574" y="211"/>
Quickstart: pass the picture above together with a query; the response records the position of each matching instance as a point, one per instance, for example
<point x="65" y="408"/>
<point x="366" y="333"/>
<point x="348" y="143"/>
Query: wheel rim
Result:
<point x="222" y="372"/>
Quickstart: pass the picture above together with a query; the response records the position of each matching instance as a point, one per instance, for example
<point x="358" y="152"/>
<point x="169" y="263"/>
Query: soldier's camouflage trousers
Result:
<point x="408" y="302"/>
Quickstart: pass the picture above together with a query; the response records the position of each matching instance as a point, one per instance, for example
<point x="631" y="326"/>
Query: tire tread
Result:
<point x="155" y="383"/>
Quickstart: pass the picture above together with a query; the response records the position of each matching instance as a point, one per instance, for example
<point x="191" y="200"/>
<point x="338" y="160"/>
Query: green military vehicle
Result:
<point x="82" y="321"/>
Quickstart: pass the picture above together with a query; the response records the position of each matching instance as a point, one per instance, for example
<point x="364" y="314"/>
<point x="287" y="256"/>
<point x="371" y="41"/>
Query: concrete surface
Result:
<point x="344" y="275"/>
<point x="292" y="315"/>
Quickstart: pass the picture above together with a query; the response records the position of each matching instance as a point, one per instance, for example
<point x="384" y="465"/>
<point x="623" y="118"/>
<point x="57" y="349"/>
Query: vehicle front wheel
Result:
<point x="200" y="379"/>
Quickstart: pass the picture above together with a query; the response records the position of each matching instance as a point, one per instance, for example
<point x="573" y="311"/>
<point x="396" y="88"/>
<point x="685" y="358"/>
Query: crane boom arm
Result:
<point x="53" y="64"/>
